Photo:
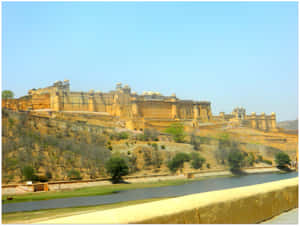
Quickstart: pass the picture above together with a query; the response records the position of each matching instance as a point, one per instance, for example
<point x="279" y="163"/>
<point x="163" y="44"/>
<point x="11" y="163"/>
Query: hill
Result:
<point x="66" y="148"/>
<point x="290" y="124"/>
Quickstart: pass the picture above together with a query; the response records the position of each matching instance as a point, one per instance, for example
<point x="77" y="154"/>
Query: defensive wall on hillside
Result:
<point x="150" y="109"/>
<point x="242" y="205"/>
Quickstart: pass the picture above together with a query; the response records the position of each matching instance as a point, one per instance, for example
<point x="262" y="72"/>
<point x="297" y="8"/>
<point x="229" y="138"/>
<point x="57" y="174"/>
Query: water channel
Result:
<point x="210" y="184"/>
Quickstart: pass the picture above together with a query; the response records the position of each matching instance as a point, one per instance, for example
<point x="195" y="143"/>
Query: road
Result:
<point x="290" y="217"/>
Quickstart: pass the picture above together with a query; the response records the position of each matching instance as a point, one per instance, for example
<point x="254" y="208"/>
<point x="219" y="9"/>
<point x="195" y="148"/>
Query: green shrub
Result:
<point x="197" y="161"/>
<point x="235" y="159"/>
<point x="155" y="146"/>
<point x="141" y="137"/>
<point x="74" y="174"/>
<point x="250" y="159"/>
<point x="119" y="136"/>
<point x="11" y="122"/>
<point x="178" y="161"/>
<point x="208" y="166"/>
<point x="132" y="163"/>
<point x="269" y="162"/>
<point x="147" y="158"/>
<point x="282" y="159"/>
<point x="177" y="132"/>
<point x="123" y="136"/>
<point x="48" y="174"/>
<point x="157" y="159"/>
<point x="28" y="173"/>
<point x="116" y="167"/>
<point x="163" y="147"/>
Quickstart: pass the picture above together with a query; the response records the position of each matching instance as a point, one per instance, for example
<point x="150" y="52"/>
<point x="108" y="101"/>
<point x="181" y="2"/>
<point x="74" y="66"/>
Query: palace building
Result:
<point x="149" y="109"/>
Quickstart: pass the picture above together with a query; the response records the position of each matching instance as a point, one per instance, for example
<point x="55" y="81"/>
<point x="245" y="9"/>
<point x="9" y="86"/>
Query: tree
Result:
<point x="235" y="159"/>
<point x="250" y="159"/>
<point x="197" y="161"/>
<point x="74" y="174"/>
<point x="132" y="163"/>
<point x="157" y="159"/>
<point x="147" y="157"/>
<point x="282" y="159"/>
<point x="116" y="167"/>
<point x="178" y="161"/>
<point x="7" y="94"/>
<point x="28" y="173"/>
<point x="48" y="174"/>
<point x="195" y="141"/>
<point x="223" y="148"/>
<point x="177" y="132"/>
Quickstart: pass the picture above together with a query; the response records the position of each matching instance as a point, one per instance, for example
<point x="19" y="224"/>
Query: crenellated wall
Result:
<point x="262" y="121"/>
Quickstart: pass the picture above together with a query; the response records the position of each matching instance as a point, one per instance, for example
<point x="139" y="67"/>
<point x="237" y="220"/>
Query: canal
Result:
<point x="210" y="184"/>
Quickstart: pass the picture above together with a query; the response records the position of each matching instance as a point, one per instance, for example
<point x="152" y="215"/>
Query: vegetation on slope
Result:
<point x="40" y="149"/>
<point x="25" y="150"/>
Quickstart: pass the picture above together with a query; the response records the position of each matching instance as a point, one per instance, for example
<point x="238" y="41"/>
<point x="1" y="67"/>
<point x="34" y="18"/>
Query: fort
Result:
<point x="127" y="109"/>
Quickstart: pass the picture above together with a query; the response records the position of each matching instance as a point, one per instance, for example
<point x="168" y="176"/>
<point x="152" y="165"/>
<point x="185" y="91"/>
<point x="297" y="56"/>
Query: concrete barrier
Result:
<point x="250" y="204"/>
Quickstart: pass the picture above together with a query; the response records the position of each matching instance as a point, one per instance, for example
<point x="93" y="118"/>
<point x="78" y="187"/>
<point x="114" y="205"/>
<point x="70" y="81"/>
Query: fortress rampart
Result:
<point x="150" y="109"/>
<point x="255" y="121"/>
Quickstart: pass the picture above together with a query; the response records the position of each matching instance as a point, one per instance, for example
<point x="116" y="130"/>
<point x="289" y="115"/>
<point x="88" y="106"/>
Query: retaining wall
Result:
<point x="250" y="204"/>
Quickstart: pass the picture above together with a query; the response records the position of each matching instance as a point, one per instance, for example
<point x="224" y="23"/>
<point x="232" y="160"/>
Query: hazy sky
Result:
<point x="232" y="54"/>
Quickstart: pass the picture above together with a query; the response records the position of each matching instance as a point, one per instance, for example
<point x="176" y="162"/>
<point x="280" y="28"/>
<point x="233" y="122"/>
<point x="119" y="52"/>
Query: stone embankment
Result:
<point x="64" y="185"/>
<point x="243" y="205"/>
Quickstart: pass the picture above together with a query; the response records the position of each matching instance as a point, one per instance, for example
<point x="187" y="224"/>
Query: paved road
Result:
<point x="290" y="217"/>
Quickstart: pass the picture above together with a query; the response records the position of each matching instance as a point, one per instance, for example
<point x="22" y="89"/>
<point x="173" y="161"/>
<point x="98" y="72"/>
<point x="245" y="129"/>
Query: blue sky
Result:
<point x="232" y="54"/>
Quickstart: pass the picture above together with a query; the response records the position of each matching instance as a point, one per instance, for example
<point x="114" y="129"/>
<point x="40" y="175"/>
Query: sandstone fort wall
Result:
<point x="138" y="111"/>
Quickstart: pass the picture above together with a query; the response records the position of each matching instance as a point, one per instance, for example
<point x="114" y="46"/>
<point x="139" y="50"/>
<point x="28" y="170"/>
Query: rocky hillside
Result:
<point x="63" y="148"/>
<point x="56" y="150"/>
<point x="289" y="125"/>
